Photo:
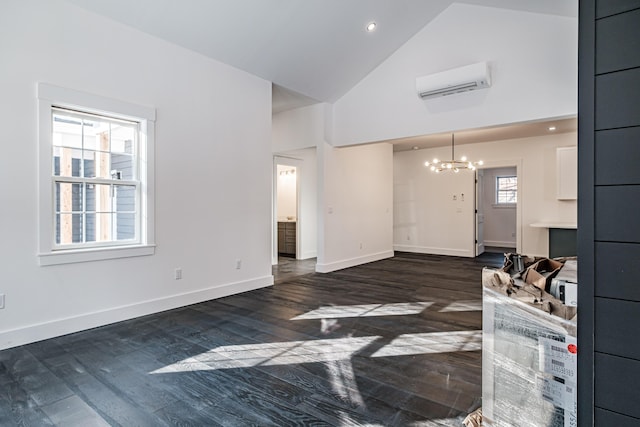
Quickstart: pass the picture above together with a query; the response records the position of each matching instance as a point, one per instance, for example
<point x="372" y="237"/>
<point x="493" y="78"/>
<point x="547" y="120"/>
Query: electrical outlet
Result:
<point x="177" y="273"/>
<point x="1" y="301"/>
<point x="238" y="264"/>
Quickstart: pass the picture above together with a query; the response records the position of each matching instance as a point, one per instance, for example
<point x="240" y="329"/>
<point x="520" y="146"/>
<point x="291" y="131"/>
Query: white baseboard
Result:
<point x="307" y="255"/>
<point x="499" y="243"/>
<point x="352" y="262"/>
<point x="55" y="328"/>
<point x="434" y="250"/>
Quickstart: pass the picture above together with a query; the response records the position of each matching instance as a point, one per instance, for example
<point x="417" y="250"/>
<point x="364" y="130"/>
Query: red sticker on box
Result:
<point x="573" y="349"/>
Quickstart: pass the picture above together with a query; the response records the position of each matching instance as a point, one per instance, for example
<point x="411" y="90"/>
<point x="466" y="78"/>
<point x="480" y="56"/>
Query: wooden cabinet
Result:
<point x="287" y="238"/>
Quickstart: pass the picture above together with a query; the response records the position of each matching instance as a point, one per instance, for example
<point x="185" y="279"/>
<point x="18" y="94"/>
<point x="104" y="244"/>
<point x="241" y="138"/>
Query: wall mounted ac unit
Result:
<point x="469" y="77"/>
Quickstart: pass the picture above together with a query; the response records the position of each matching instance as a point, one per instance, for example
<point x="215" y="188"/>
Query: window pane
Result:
<point x="68" y="228"/>
<point x="125" y="198"/>
<point x="90" y="227"/>
<point x="102" y="228"/>
<point x="122" y="138"/>
<point x="125" y="226"/>
<point x="122" y="166"/>
<point x="97" y="164"/>
<point x="68" y="197"/>
<point x="507" y="183"/>
<point x="99" y="198"/>
<point x="97" y="135"/>
<point x="67" y="161"/>
<point x="67" y="131"/>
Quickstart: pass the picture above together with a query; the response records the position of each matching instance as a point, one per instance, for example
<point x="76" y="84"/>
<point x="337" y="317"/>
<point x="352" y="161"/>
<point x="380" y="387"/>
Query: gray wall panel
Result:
<point x="616" y="385"/>
<point x="617" y="270"/>
<point x="617" y="41"/>
<point x="610" y="7"/>
<point x="617" y="95"/>
<point x="618" y="213"/>
<point x="608" y="418"/>
<point x="617" y="156"/>
<point x="616" y="321"/>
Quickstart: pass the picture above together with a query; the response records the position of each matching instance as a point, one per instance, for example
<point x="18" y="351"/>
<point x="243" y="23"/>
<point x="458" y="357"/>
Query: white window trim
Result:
<point x="50" y="96"/>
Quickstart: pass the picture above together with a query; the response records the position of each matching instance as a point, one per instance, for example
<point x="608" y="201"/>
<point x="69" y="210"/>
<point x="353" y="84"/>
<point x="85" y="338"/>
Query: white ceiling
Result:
<point x="315" y="48"/>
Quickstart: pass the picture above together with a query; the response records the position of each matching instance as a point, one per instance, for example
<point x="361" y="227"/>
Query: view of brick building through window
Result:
<point x="95" y="178"/>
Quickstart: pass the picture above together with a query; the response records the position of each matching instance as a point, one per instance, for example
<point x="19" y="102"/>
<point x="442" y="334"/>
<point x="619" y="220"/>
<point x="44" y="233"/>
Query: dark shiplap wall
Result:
<point x="609" y="218"/>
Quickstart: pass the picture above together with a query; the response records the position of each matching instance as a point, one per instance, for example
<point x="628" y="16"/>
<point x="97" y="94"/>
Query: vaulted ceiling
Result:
<point x="312" y="50"/>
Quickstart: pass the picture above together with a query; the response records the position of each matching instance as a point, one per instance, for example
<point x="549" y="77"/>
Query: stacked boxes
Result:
<point x="529" y="354"/>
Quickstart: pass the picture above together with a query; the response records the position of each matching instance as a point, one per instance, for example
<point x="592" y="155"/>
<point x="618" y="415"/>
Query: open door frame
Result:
<point x="298" y="164"/>
<point x="479" y="211"/>
<point x="517" y="163"/>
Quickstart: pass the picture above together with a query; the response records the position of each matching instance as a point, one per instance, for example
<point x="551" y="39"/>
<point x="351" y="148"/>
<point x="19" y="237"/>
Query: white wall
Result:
<point x="428" y="220"/>
<point x="500" y="222"/>
<point x="213" y="169"/>
<point x="299" y="128"/>
<point x="534" y="68"/>
<point x="356" y="201"/>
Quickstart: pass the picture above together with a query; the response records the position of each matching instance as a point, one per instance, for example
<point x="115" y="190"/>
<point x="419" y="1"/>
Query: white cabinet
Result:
<point x="567" y="173"/>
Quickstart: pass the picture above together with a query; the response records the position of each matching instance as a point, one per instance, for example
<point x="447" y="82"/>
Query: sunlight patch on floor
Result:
<point x="471" y="305"/>
<point x="365" y="310"/>
<point x="433" y="342"/>
<point x="268" y="354"/>
<point x="343" y="382"/>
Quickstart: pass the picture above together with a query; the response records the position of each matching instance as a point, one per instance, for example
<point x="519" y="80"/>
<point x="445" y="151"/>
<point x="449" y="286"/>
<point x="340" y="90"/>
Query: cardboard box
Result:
<point x="527" y="293"/>
<point x="541" y="273"/>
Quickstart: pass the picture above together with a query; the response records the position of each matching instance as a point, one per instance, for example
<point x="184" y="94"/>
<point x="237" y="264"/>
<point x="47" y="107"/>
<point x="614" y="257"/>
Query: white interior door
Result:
<point x="479" y="212"/>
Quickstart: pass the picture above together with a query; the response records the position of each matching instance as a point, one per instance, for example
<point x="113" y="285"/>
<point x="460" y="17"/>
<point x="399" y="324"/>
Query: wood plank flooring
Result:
<point x="390" y="343"/>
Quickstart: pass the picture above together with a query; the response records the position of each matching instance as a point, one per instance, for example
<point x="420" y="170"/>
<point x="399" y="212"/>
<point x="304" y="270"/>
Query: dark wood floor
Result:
<point x="394" y="342"/>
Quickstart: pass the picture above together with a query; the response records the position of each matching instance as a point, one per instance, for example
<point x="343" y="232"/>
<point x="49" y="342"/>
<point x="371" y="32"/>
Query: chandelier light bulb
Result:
<point x="455" y="165"/>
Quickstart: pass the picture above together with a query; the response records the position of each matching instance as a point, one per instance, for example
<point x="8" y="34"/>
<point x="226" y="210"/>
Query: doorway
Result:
<point x="497" y="211"/>
<point x="287" y="213"/>
<point x="287" y="210"/>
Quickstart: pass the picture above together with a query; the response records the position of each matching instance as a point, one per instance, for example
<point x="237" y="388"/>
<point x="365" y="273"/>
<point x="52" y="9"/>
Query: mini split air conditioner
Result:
<point x="463" y="79"/>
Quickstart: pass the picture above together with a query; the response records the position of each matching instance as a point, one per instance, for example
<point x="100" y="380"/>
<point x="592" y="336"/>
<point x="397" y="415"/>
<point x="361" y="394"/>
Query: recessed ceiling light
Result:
<point x="552" y="128"/>
<point x="371" y="26"/>
<point x="415" y="147"/>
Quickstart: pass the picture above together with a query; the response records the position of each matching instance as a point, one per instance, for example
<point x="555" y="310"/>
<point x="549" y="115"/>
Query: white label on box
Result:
<point x="559" y="359"/>
<point x="561" y="395"/>
<point x="571" y="294"/>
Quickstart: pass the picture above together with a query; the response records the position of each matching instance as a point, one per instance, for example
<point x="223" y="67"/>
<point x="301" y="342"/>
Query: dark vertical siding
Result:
<point x="609" y="206"/>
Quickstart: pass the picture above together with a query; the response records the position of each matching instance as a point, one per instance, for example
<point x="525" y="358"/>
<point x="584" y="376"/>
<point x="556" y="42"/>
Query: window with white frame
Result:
<point x="506" y="190"/>
<point x="96" y="167"/>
